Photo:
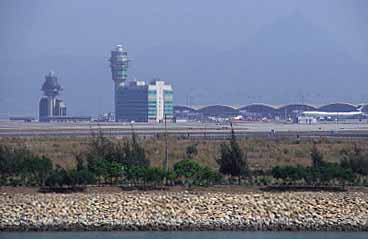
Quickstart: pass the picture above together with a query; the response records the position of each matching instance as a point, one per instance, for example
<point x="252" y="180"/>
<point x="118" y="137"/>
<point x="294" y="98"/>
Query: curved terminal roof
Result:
<point x="218" y="110"/>
<point x="182" y="108"/>
<point x="258" y="108"/>
<point x="296" y="107"/>
<point x="225" y="110"/>
<point x="338" y="107"/>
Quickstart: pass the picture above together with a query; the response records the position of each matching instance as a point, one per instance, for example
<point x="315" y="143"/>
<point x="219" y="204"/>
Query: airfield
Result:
<point x="187" y="129"/>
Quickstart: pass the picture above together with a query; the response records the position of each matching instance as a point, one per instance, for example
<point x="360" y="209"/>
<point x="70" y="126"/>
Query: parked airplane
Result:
<point x="238" y="117"/>
<point x="334" y="115"/>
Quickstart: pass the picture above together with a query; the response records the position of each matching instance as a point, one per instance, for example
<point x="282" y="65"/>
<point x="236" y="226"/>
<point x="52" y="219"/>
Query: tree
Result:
<point x="137" y="154"/>
<point x="79" y="162"/>
<point x="317" y="157"/>
<point x="232" y="160"/>
<point x="40" y="168"/>
<point x="99" y="148"/>
<point x="113" y="171"/>
<point x="191" y="151"/>
<point x="8" y="163"/>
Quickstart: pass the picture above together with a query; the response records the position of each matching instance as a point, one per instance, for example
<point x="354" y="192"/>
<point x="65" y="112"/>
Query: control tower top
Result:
<point x="51" y="86"/>
<point x="119" y="64"/>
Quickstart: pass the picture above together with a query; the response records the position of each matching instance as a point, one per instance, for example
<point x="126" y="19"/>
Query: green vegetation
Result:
<point x="191" y="151"/>
<point x="320" y="173"/>
<point x="105" y="161"/>
<point x="232" y="160"/>
<point x="18" y="166"/>
<point x="190" y="172"/>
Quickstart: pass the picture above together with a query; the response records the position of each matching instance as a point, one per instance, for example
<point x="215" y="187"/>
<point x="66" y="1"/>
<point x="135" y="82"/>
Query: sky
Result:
<point x="213" y="52"/>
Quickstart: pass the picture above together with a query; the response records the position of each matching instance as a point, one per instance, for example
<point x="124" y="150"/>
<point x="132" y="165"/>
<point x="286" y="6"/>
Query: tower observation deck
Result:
<point x="51" y="86"/>
<point x="119" y="64"/>
<point x="119" y="70"/>
<point x="50" y="105"/>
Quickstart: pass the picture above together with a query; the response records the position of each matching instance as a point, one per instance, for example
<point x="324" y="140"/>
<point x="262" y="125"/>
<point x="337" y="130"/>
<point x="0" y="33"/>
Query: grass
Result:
<point x="262" y="153"/>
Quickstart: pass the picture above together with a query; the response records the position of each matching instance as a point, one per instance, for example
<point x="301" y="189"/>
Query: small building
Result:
<point x="306" y="120"/>
<point x="69" y="119"/>
<point x="26" y="119"/>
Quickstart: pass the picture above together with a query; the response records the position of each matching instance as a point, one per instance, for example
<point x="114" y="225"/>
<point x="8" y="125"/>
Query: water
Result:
<point x="184" y="235"/>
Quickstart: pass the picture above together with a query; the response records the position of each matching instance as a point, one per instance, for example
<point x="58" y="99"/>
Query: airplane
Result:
<point x="334" y="115"/>
<point x="238" y="117"/>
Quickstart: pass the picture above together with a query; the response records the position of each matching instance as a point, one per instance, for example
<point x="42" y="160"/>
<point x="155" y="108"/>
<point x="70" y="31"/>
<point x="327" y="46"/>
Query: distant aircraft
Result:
<point x="334" y="115"/>
<point x="238" y="117"/>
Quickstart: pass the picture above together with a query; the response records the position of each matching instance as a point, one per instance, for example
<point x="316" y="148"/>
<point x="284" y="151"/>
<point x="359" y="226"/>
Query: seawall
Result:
<point x="297" y="211"/>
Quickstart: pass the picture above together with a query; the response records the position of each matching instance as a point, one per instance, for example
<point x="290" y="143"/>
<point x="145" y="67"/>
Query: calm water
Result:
<point x="185" y="235"/>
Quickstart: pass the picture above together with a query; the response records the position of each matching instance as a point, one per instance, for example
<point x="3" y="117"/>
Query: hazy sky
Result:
<point x="231" y="52"/>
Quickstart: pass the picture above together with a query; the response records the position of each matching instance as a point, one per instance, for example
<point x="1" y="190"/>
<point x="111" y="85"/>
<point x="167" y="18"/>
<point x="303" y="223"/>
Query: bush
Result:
<point x="19" y="166"/>
<point x="58" y="178"/>
<point x="154" y="175"/>
<point x="207" y="176"/>
<point x="311" y="175"/>
<point x="191" y="172"/>
<point x="288" y="173"/>
<point x="81" y="177"/>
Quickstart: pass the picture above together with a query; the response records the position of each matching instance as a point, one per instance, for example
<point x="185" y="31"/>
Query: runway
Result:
<point x="190" y="129"/>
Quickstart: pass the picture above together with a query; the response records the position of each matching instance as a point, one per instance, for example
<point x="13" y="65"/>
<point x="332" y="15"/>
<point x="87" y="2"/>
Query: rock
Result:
<point x="184" y="211"/>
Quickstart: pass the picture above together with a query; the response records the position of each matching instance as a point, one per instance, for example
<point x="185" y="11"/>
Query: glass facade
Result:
<point x="168" y="104"/>
<point x="119" y="64"/>
<point x="43" y="110"/>
<point x="131" y="103"/>
<point x="136" y="101"/>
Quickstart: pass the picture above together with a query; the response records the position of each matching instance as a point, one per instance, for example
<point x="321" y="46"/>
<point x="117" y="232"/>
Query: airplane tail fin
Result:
<point x="360" y="109"/>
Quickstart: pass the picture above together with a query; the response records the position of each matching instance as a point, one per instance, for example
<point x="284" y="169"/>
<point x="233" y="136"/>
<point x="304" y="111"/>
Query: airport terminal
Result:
<point x="139" y="101"/>
<point x="296" y="113"/>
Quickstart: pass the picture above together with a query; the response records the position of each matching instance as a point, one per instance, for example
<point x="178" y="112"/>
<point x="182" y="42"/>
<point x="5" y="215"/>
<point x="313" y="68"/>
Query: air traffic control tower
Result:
<point x="50" y="105"/>
<point x="119" y="70"/>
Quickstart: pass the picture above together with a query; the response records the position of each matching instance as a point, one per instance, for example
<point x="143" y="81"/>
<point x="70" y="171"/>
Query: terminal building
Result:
<point x="160" y="101"/>
<point x="136" y="101"/>
<point x="50" y="105"/>
<point x="132" y="102"/>
<point x="262" y="112"/>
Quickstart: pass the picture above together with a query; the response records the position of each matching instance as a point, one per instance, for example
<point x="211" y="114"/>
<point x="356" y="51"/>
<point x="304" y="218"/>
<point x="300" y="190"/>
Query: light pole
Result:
<point x="166" y="161"/>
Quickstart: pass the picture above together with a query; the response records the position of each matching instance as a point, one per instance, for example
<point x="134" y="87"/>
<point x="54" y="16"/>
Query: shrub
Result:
<point x="232" y="160"/>
<point x="58" y="178"/>
<point x="191" y="172"/>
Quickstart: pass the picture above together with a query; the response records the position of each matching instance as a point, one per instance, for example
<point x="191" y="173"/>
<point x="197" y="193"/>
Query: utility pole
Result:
<point x="205" y="131"/>
<point x="166" y="161"/>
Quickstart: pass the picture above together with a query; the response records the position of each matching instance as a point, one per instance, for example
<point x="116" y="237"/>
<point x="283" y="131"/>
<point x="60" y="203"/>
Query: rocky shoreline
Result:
<point x="297" y="211"/>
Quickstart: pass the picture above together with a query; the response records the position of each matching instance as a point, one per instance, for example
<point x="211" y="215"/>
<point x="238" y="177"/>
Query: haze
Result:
<point x="213" y="52"/>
